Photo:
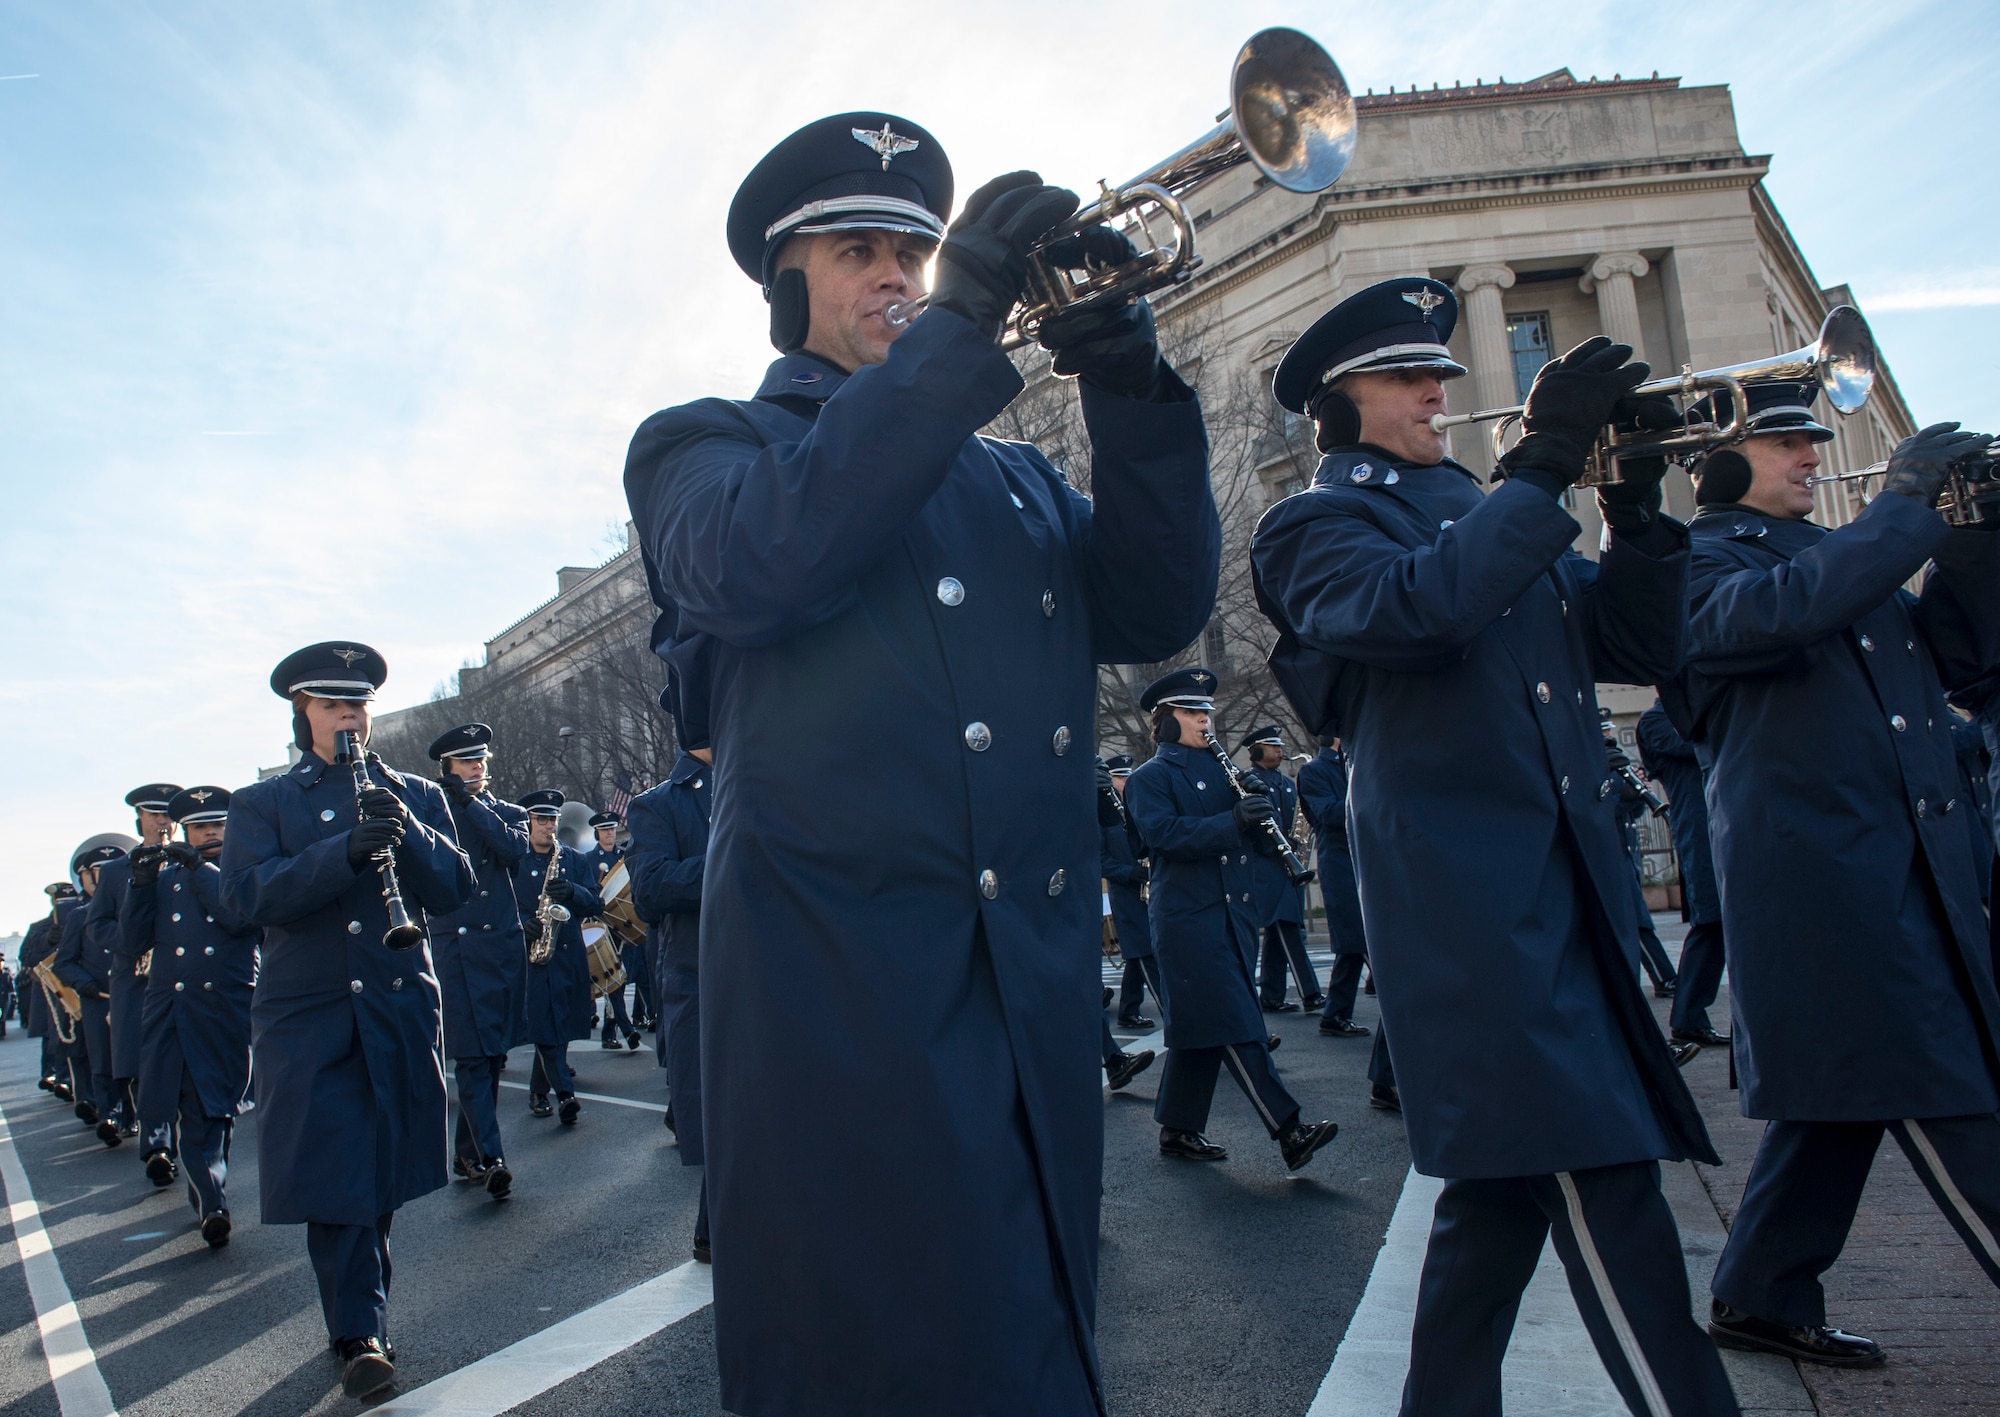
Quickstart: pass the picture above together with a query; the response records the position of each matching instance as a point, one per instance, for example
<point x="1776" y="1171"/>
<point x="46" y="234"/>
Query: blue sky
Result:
<point x="324" y="320"/>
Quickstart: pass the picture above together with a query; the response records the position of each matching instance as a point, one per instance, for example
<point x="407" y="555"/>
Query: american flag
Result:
<point x="621" y="796"/>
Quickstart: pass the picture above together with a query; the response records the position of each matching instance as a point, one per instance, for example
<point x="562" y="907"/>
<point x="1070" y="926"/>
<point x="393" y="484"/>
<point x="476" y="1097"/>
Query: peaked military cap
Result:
<point x="1783" y="407"/>
<point x="94" y="856"/>
<point x="335" y="669"/>
<point x="59" y="890"/>
<point x="468" y="741"/>
<point x="153" y="797"/>
<point x="1270" y="734"/>
<point x="544" y="802"/>
<point x="603" y="819"/>
<point x="1191" y="688"/>
<point x="850" y="172"/>
<point x="1394" y="324"/>
<point x="194" y="805"/>
<point x="1119" y="766"/>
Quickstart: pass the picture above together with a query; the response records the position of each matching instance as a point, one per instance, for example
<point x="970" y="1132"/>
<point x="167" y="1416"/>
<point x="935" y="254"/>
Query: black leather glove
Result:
<point x="456" y="789"/>
<point x="88" y="990"/>
<point x="1571" y="401"/>
<point x="562" y="890"/>
<point x="1113" y="348"/>
<point x="146" y="865"/>
<point x="983" y="263"/>
<point x="1109" y="812"/>
<point x="380" y="804"/>
<point x="1615" y="757"/>
<point x="1253" y="783"/>
<point x="1633" y="501"/>
<point x="55" y="933"/>
<point x="531" y="926"/>
<point x="183" y="855"/>
<point x="370" y="838"/>
<point x="1251" y="811"/>
<point x="1921" y="463"/>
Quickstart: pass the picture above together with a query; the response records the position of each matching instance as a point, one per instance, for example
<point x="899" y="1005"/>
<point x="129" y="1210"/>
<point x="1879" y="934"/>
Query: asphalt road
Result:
<point x="1225" y="1288"/>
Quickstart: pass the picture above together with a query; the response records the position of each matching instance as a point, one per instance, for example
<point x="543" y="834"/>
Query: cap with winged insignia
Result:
<point x="1372" y="329"/>
<point x="1191" y="688"/>
<point x="153" y="797"/>
<point x="333" y="669"/>
<point x="199" y="804"/>
<point x="887" y="143"/>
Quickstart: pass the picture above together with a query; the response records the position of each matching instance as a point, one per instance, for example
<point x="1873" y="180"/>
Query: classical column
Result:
<point x="1611" y="276"/>
<point x="1486" y="329"/>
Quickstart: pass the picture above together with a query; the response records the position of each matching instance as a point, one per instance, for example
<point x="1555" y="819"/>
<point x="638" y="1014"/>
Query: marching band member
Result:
<point x="37" y="945"/>
<point x="558" y="971"/>
<point x="1120" y="1067"/>
<point x="83" y="961"/>
<point x="603" y="858"/>
<point x="1201" y="837"/>
<point x="1671" y="760"/>
<point x="481" y="955"/>
<point x="1280" y="903"/>
<point x="345" y="1031"/>
<point x="868" y="565"/>
<point x="127" y="992"/>
<point x="1859" y="965"/>
<point x="195" y="1022"/>
<point x="669" y="827"/>
<point x="1453" y="641"/>
<point x="1123" y="864"/>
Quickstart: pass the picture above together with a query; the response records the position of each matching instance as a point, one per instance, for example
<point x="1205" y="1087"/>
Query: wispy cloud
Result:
<point x="1937" y="295"/>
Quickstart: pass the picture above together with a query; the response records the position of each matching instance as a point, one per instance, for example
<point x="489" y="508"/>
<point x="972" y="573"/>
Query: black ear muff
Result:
<point x="302" y="733"/>
<point x="1338" y="420"/>
<point x="1168" y="729"/>
<point x="791" y="314"/>
<point x="1722" y="476"/>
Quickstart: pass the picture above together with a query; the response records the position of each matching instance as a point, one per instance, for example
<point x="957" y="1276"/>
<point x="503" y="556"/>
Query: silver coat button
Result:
<point x="989" y="884"/>
<point x="1058" y="881"/>
<point x="1061" y="741"/>
<point x="177" y="885"/>
<point x="354" y="985"/>
<point x="1015" y="498"/>
<point x="177" y="916"/>
<point x="1951" y="804"/>
<point x="1603" y="790"/>
<point x="950" y="591"/>
<point x="1921" y="806"/>
<point x="1910" y="645"/>
<point x="1445" y="523"/>
<point x="354" y="927"/>
<point x="209" y="950"/>
<point x="179" y="950"/>
<point x="1542" y="692"/>
<point x="1565" y="784"/>
<point x="1241" y="860"/>
<point x="395" y="983"/>
<point x="208" y="984"/>
<point x="486" y="927"/>
<point x="327" y="815"/>
<point x="179" y="988"/>
<point x="1201" y="787"/>
<point x="461" y="929"/>
<point x="1897" y="722"/>
<point x="1048" y="604"/>
<point x="978" y="737"/>
<point x="1246" y="897"/>
<point x="1868" y="643"/>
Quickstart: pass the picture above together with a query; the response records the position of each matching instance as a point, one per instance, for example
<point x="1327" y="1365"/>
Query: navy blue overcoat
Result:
<point x="345" y="1032"/>
<point x="1455" y="643"/>
<point x="872" y="572"/>
<point x="560" y="1005"/>
<point x="481" y="955"/>
<point x="1859" y="965"/>
<point x="1671" y="761"/>
<point x="1202" y="900"/>
<point x="126" y="990"/>
<point x="196" y="1008"/>
<point x="669" y="827"/>
<point x="34" y="949"/>
<point x="1277" y="898"/>
<point x="1323" y="798"/>
<point x="1125" y="879"/>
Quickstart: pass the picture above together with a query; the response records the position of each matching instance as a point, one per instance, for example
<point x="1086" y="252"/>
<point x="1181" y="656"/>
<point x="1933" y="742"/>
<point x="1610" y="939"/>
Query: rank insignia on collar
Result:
<point x="348" y="656"/>
<point x="1362" y="473"/>
<point x="201" y="794"/>
<point x="1425" y="300"/>
<point x="887" y="144"/>
<point x="808" y="378"/>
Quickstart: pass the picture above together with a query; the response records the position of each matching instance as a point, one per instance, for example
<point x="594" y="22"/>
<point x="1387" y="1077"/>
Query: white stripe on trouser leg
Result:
<point x="1952" y="1192"/>
<point x="1607" y="1297"/>
<point x="1250" y="1086"/>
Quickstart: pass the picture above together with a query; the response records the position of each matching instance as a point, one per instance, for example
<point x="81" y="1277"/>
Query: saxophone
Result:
<point x="548" y="914"/>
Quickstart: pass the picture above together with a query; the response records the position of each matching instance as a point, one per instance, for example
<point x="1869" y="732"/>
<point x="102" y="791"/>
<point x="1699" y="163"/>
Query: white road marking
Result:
<point x="521" y="1371"/>
<point x="600" y="1097"/>
<point x="1552" y="1367"/>
<point x="80" y="1389"/>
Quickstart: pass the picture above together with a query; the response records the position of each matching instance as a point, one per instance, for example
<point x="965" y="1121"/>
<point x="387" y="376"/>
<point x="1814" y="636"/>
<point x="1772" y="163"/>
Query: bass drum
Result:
<point x="607" y="970"/>
<point x="619" y="912"/>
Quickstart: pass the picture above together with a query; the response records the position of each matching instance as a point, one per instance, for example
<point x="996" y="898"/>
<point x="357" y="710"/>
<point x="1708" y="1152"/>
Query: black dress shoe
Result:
<point x="632" y="1039"/>
<point x="1127" y="1068"/>
<point x="538" y="1105"/>
<point x="1287" y="1007"/>
<point x="365" y="1367"/>
<point x="61" y="1090"/>
<point x="701" y="1255"/>
<point x="610" y="1042"/>
<point x="1341" y="1028"/>
<point x="669" y="1120"/>
<point x="128" y="1129"/>
<point x="499" y="1180"/>
<point x="1387" y="1099"/>
<point x="86" y="1112"/>
<point x="1314" y="1004"/>
<point x="1107" y="998"/>
<point x="47" y="1084"/>
<point x="1138" y="1021"/>
<point x="1704" y="1034"/>
<point x="1815" y="1343"/>
<point x="1271" y="1043"/>
<point x="1190" y="1146"/>
<point x="388" y="1348"/>
<point x="160" y="1169"/>
<point x="1666" y="990"/>
<point x="568" y="1105"/>
<point x="462" y="1168"/>
<point x="1303" y="1140"/>
<point x="1368" y="984"/>
<point x="1685" y="1053"/>
<point x="107" y="1132"/>
<point x="215" y="1229"/>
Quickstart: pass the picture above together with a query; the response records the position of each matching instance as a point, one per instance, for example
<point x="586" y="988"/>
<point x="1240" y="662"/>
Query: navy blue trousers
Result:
<point x="1381" y="1070"/>
<point x="1617" y="1241"/>
<point x="551" y="1071"/>
<point x="477" y="1138"/>
<point x="614" y="1014"/>
<point x="352" y="1265"/>
<point x="1701" y="976"/>
<point x="1109" y="1047"/>
<point x="1188" y="1086"/>
<point x="1141" y="974"/>
<point x="1805" y="1186"/>
<point x="201" y="1143"/>
<point x="639" y="969"/>
<point x="1285" y="945"/>
<point x="93" y="1031"/>
<point x="1653" y="955"/>
<point x="680" y="1034"/>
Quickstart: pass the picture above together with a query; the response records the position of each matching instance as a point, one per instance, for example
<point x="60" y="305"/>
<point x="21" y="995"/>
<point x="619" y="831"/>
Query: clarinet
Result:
<point x="1655" y="803"/>
<point x="1296" y="870"/>
<point x="402" y="933"/>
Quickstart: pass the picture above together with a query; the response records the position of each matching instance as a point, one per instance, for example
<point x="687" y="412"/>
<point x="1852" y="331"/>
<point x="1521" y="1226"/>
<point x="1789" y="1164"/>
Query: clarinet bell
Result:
<point x="402" y="934"/>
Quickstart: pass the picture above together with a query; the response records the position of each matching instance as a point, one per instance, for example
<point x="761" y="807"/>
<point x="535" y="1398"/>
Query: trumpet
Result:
<point x="1841" y="361"/>
<point x="403" y="933"/>
<point x="1290" y="113"/>
<point x="1295" y="869"/>
<point x="1971" y="494"/>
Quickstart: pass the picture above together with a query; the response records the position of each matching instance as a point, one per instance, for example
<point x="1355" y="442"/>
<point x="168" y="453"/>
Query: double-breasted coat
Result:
<point x="669" y="827"/>
<point x="560" y="1004"/>
<point x="1203" y="902"/>
<point x="481" y="955"/>
<point x="1455" y="643"/>
<point x="196" y="1009"/>
<point x="871" y="571"/>
<point x="83" y="961"/>
<point x="1671" y="760"/>
<point x="35" y="948"/>
<point x="1859" y="965"/>
<point x="1323" y="798"/>
<point x="1124" y="881"/>
<point x="1277" y="898"/>
<point x="345" y="1032"/>
<point x="126" y="990"/>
